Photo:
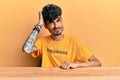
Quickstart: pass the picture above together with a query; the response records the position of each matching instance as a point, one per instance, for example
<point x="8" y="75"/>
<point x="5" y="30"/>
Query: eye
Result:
<point x="58" y="20"/>
<point x="51" y="22"/>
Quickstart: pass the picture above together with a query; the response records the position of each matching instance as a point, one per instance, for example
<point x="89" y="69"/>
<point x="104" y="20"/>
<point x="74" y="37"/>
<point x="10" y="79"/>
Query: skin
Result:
<point x="55" y="28"/>
<point x="29" y="46"/>
<point x="92" y="62"/>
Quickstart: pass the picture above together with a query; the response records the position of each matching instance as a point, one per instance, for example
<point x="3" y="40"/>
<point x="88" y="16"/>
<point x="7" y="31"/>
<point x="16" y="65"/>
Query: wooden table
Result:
<point x="38" y="73"/>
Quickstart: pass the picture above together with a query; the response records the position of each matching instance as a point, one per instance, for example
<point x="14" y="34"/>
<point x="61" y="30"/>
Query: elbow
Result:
<point x="26" y="50"/>
<point x="99" y="64"/>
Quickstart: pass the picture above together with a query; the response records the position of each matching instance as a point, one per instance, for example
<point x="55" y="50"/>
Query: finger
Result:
<point x="68" y="67"/>
<point x="39" y="15"/>
<point x="64" y="65"/>
<point x="41" y="18"/>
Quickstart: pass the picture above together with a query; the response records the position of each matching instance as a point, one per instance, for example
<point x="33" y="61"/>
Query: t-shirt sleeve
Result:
<point x="38" y="45"/>
<point x="83" y="54"/>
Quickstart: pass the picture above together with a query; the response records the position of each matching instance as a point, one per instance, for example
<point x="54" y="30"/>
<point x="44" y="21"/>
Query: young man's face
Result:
<point x="55" y="27"/>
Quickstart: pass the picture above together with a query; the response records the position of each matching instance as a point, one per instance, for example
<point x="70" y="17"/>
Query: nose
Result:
<point x="55" y="24"/>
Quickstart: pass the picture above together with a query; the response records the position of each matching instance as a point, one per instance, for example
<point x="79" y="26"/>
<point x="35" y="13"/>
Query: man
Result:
<point x="57" y="49"/>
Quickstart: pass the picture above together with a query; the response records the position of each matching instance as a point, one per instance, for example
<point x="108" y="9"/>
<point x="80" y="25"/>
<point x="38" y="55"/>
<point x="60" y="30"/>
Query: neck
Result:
<point x="57" y="38"/>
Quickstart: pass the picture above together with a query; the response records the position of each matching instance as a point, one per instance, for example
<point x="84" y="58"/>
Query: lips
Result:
<point x="56" y="29"/>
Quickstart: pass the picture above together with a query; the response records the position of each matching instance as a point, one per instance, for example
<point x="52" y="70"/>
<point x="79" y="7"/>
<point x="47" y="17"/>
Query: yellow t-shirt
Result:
<point x="53" y="53"/>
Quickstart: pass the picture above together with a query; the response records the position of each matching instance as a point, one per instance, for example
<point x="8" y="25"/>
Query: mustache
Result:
<point x="57" y="28"/>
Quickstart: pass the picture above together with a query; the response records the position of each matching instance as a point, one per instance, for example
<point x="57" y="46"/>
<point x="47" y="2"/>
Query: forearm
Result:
<point x="28" y="46"/>
<point x="89" y="64"/>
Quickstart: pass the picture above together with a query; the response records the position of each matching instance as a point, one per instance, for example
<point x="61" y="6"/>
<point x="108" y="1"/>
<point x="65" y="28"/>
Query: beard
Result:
<point x="57" y="31"/>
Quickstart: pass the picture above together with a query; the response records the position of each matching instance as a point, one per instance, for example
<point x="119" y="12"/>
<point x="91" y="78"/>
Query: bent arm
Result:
<point x="92" y="62"/>
<point x="29" y="46"/>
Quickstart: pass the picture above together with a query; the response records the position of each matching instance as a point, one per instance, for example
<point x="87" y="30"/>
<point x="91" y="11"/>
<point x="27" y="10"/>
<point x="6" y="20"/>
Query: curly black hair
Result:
<point x="50" y="12"/>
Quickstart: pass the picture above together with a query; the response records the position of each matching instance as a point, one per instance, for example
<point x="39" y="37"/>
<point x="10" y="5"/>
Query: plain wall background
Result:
<point x="96" y="23"/>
